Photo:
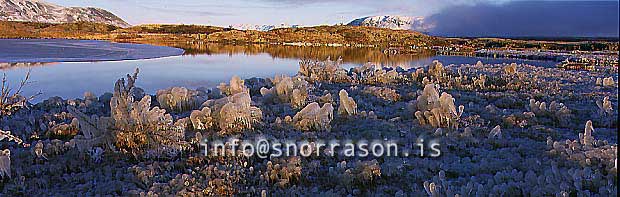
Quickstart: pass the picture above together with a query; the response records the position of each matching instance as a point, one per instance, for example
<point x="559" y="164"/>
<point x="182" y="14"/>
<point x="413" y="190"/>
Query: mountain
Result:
<point x="44" y="12"/>
<point x="393" y="22"/>
<point x="261" y="27"/>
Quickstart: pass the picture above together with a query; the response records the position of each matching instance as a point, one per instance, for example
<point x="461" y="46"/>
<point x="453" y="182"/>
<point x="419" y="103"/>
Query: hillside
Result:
<point x="44" y="12"/>
<point x="345" y="35"/>
<point x="81" y="30"/>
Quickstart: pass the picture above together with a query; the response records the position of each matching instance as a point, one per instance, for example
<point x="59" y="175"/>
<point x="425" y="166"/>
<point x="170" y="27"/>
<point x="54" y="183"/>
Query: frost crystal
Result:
<point x="234" y="113"/>
<point x="288" y="90"/>
<point x="314" y="118"/>
<point x="347" y="107"/>
<point x="236" y="86"/>
<point x="438" y="111"/>
<point x="180" y="99"/>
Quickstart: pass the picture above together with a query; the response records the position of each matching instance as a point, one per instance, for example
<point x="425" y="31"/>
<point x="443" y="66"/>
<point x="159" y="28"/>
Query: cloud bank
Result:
<point x="528" y="18"/>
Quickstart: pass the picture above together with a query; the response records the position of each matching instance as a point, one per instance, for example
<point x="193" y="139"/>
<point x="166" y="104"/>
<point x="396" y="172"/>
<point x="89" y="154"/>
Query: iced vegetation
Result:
<point x="504" y="129"/>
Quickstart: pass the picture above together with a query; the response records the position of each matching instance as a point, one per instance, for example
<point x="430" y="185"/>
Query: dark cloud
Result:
<point x="529" y="18"/>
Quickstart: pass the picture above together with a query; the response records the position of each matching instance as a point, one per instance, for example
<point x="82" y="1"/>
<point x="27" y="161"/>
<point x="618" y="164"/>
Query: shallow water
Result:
<point x="60" y="50"/>
<point x="200" y="66"/>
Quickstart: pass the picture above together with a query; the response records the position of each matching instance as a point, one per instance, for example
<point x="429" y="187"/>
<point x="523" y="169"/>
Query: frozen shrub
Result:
<point x="63" y="130"/>
<point x="288" y="90"/>
<point x="511" y="69"/>
<point x="587" y="152"/>
<point x="8" y="136"/>
<point x="557" y="111"/>
<point x="95" y="131"/>
<point x="11" y="101"/>
<point x="437" y="111"/>
<point x="283" y="172"/>
<point x="201" y="119"/>
<point x="374" y="74"/>
<point x="236" y="86"/>
<point x="496" y="132"/>
<point x="586" y="137"/>
<point x="180" y="99"/>
<point x="356" y="174"/>
<point x="140" y="129"/>
<point x="604" y="107"/>
<point x="383" y="93"/>
<point x="5" y="155"/>
<point x="327" y="71"/>
<point x="234" y="113"/>
<point x="347" y="107"/>
<point x="314" y="118"/>
<point x="331" y="71"/>
<point x="326" y="99"/>
<point x="480" y="81"/>
<point x="607" y="81"/>
<point x="5" y="163"/>
<point x="436" y="69"/>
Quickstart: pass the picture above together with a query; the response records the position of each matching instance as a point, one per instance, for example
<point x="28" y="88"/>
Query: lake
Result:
<point x="69" y="68"/>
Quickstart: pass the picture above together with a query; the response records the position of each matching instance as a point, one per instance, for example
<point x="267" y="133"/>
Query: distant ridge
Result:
<point x="41" y="11"/>
<point x="261" y="27"/>
<point x="393" y="22"/>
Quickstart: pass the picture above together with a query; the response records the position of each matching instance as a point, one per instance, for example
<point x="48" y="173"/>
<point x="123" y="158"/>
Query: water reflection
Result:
<point x="350" y="55"/>
<point x="7" y="66"/>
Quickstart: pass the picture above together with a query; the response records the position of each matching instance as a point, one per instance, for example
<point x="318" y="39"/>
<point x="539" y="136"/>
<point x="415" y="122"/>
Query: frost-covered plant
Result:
<point x="288" y="90"/>
<point x="511" y="69"/>
<point x="437" y="111"/>
<point x="283" y="172"/>
<point x="327" y="98"/>
<point x="236" y="86"/>
<point x="382" y="92"/>
<point x="232" y="114"/>
<point x="201" y="119"/>
<point x="605" y="82"/>
<point x="180" y="99"/>
<point x="480" y="81"/>
<point x="327" y="71"/>
<point x="496" y="132"/>
<point x="13" y="100"/>
<point x="5" y="163"/>
<point x="5" y="155"/>
<point x="373" y="74"/>
<point x="436" y="69"/>
<point x="586" y="137"/>
<point x="558" y="111"/>
<point x="314" y="118"/>
<point x="64" y="129"/>
<point x="95" y="131"/>
<point x="347" y="106"/>
<point x="439" y="186"/>
<point x="357" y="173"/>
<point x="604" y="107"/>
<point x="140" y="129"/>
<point x="587" y="151"/>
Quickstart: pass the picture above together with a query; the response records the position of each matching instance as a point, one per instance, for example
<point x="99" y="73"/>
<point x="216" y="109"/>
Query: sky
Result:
<point x="450" y="17"/>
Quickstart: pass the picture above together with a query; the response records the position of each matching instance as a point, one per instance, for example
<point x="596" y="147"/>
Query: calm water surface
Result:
<point x="200" y="66"/>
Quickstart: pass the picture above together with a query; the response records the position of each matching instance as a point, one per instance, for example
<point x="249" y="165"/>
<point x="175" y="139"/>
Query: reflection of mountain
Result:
<point x="357" y="55"/>
<point x="8" y="66"/>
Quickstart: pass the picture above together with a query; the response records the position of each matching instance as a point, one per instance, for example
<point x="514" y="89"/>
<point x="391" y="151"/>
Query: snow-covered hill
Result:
<point x="393" y="22"/>
<point x="261" y="27"/>
<point x="41" y="11"/>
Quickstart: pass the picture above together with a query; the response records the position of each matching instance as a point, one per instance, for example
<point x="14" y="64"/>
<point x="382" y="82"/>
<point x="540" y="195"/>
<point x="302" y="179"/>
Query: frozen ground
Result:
<point x="522" y="130"/>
